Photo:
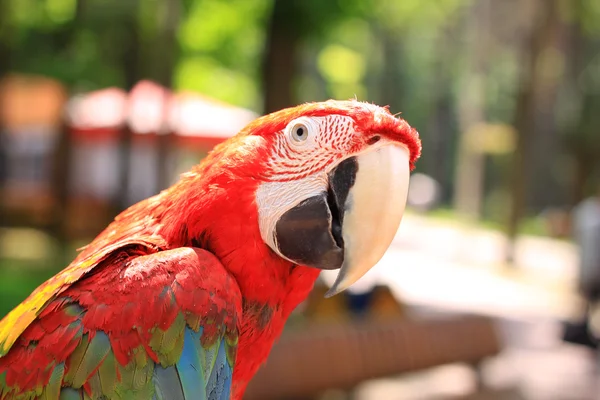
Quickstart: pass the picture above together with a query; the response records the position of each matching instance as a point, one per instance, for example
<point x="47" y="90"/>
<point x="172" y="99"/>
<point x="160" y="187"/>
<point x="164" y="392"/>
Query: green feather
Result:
<point x="96" y="351"/>
<point x="70" y="394"/>
<point x="232" y="342"/>
<point x="136" y="377"/>
<point x="167" y="384"/>
<point x="74" y="361"/>
<point x="72" y="309"/>
<point x="95" y="387"/>
<point x="107" y="375"/>
<point x="52" y="390"/>
<point x="209" y="358"/>
<point x="168" y="344"/>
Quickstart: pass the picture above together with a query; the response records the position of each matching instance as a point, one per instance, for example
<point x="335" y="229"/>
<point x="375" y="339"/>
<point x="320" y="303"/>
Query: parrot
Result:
<point x="183" y="294"/>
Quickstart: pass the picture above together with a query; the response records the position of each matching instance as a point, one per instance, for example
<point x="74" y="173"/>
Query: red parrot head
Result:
<point x="331" y="182"/>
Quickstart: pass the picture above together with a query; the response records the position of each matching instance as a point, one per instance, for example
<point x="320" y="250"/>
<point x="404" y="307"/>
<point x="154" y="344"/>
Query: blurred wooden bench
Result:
<point x="307" y="361"/>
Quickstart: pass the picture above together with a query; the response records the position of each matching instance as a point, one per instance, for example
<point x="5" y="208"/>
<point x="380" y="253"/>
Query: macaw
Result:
<point x="184" y="293"/>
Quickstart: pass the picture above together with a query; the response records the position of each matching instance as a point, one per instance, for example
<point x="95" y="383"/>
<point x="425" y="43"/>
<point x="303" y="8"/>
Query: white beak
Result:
<point x="373" y="211"/>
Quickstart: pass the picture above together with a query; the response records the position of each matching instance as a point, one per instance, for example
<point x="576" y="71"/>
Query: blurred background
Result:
<point x="489" y="289"/>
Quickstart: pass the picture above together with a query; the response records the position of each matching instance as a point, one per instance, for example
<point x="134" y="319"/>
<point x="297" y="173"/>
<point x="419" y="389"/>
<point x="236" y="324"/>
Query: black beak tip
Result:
<point x="311" y="232"/>
<point x="304" y="235"/>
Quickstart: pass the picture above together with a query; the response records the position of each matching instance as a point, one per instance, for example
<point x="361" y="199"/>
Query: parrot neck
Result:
<point x="271" y="287"/>
<point x="221" y="216"/>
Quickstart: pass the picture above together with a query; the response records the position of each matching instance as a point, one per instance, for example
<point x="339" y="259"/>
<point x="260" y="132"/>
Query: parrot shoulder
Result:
<point x="162" y="323"/>
<point x="16" y="321"/>
<point x="131" y="230"/>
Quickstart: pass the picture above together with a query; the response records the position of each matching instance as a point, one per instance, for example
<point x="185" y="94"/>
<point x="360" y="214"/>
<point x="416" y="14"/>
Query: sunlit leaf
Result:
<point x="60" y="11"/>
<point x="344" y="91"/>
<point x="204" y="75"/>
<point x="341" y="65"/>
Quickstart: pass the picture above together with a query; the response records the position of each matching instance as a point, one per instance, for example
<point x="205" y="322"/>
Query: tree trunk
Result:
<point x="584" y="168"/>
<point x="279" y="63"/>
<point x="62" y="154"/>
<point x="586" y="149"/>
<point x="438" y="144"/>
<point x="544" y="190"/>
<point x="525" y="115"/>
<point x="470" y="161"/>
<point x="169" y="16"/>
<point x="130" y="65"/>
<point x="391" y="75"/>
<point x="5" y="34"/>
<point x="581" y="131"/>
<point x="5" y="55"/>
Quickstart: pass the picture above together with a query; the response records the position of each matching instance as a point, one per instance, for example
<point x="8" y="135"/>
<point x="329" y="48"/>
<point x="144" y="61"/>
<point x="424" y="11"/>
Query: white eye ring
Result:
<point x="299" y="132"/>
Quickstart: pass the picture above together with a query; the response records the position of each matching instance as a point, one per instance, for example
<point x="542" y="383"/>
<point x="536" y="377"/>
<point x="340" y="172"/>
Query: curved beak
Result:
<point x="351" y="225"/>
<point x="372" y="212"/>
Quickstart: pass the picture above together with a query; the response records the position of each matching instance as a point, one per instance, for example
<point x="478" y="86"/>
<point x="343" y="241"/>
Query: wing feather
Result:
<point x="160" y="326"/>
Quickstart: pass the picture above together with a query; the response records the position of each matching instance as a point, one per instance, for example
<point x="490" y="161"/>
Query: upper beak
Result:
<point x="352" y="225"/>
<point x="372" y="211"/>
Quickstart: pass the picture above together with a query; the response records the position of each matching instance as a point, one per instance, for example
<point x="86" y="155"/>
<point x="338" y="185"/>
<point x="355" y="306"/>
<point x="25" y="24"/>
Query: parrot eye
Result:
<point x="299" y="133"/>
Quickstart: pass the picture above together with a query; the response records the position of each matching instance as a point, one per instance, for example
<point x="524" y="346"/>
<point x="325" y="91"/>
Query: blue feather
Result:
<point x="227" y="383"/>
<point x="189" y="365"/>
<point x="187" y="379"/>
<point x="71" y="394"/>
<point x="220" y="377"/>
<point x="167" y="385"/>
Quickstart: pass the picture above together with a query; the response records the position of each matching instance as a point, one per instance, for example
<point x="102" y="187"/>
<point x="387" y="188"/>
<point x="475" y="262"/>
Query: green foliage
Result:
<point x="316" y="19"/>
<point x="588" y="14"/>
<point x="401" y="16"/>
<point x="18" y="279"/>
<point x="501" y="84"/>
<point x="384" y="51"/>
<point x="49" y="37"/>
<point x="333" y="56"/>
<point x="410" y="54"/>
<point x="222" y="44"/>
<point x="60" y="11"/>
<point x="206" y="75"/>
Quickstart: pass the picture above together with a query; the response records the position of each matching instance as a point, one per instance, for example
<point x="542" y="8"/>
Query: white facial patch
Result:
<point x="273" y="199"/>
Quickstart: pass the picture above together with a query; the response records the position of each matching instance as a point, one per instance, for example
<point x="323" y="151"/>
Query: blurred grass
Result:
<point x="18" y="278"/>
<point x="529" y="226"/>
<point x="28" y="257"/>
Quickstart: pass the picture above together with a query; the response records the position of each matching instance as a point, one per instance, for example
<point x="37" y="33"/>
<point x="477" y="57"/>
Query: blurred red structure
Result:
<point x="165" y="132"/>
<point x="150" y="109"/>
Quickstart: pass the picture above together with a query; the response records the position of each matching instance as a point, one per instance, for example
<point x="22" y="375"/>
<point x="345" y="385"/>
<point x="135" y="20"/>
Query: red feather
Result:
<point x="213" y="208"/>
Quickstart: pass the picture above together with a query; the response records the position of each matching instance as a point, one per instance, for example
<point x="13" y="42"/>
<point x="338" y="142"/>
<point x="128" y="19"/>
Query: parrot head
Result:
<point x="334" y="184"/>
<point x="330" y="182"/>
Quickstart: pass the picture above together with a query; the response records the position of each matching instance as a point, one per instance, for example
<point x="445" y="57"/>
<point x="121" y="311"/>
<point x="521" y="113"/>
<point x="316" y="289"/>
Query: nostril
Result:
<point x="373" y="140"/>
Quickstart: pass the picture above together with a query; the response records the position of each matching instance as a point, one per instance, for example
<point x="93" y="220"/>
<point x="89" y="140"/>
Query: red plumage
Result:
<point x="244" y="283"/>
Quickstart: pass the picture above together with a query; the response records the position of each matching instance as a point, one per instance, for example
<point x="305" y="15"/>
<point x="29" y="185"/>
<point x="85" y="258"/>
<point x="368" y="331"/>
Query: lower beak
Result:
<point x="350" y="226"/>
<point x="372" y="211"/>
